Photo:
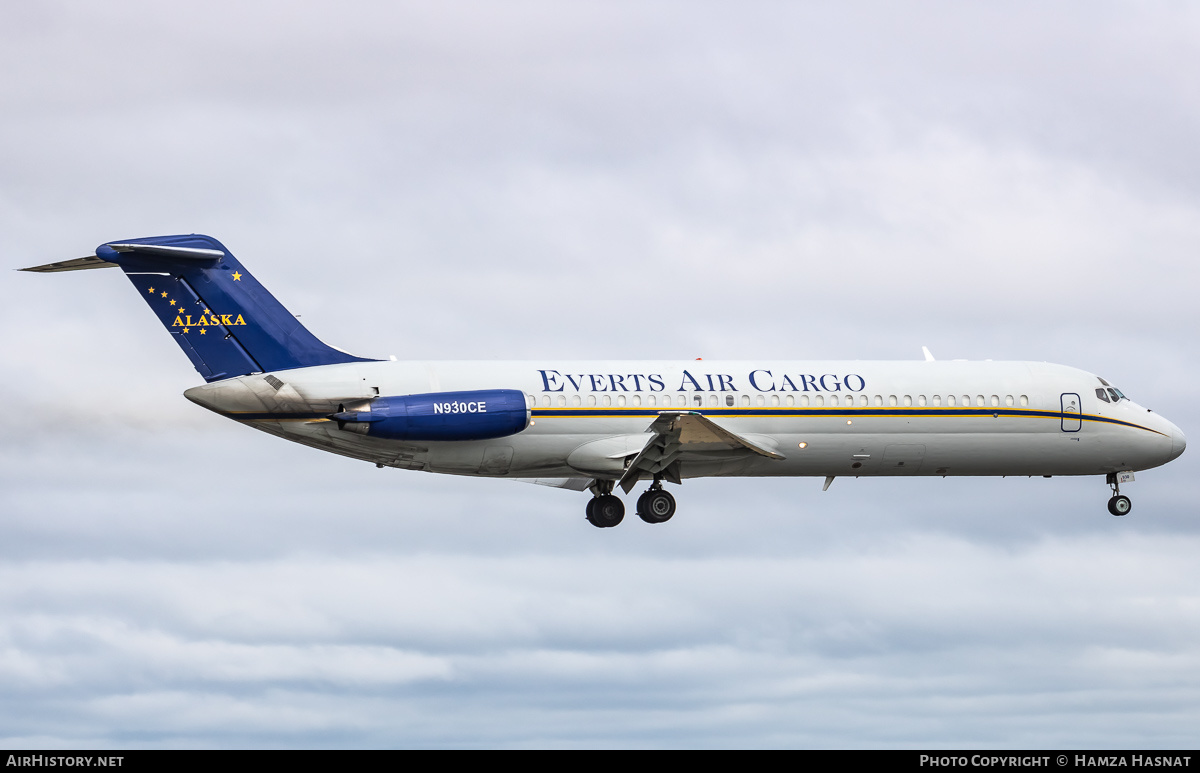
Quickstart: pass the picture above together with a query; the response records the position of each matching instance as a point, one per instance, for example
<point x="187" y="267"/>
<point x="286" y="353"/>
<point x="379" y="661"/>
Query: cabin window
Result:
<point x="666" y="399"/>
<point x="950" y="400"/>
<point x="995" y="401"/>
<point x="574" y="399"/>
<point x="745" y="400"/>
<point x="789" y="400"/>
<point x="908" y="400"/>
<point x="760" y="400"/>
<point x="606" y="401"/>
<point x="920" y="399"/>
<point x="530" y="401"/>
<point x="699" y="399"/>
<point x="712" y="401"/>
<point x="1102" y="394"/>
<point x="1008" y="400"/>
<point x="774" y="400"/>
<point x="937" y="400"/>
<point x="621" y="401"/>
<point x="562" y="400"/>
<point x="819" y="400"/>
<point x="804" y="401"/>
<point x="1024" y="400"/>
<point x="729" y="400"/>
<point x="591" y="400"/>
<point x="637" y="400"/>
<point x="979" y="400"/>
<point x="892" y="400"/>
<point x="651" y="400"/>
<point x="682" y="401"/>
<point x="545" y="401"/>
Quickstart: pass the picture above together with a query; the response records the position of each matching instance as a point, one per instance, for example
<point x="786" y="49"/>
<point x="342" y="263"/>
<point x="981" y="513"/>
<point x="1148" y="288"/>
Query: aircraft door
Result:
<point x="1071" y="421"/>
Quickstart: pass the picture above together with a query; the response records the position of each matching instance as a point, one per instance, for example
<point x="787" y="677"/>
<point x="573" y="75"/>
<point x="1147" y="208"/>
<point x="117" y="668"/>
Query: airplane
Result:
<point x="605" y="426"/>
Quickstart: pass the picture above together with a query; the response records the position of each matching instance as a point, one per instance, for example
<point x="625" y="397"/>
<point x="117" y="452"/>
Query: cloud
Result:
<point x="959" y="637"/>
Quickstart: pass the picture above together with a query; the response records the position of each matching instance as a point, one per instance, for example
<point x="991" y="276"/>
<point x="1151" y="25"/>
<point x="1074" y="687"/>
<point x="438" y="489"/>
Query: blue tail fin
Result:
<point x="223" y="319"/>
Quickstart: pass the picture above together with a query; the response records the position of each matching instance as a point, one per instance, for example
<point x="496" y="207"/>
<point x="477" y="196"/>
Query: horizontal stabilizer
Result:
<point x="184" y="254"/>
<point x="79" y="264"/>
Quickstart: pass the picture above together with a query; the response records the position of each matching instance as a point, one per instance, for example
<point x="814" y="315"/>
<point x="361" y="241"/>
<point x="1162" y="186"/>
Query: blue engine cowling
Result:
<point x="476" y="415"/>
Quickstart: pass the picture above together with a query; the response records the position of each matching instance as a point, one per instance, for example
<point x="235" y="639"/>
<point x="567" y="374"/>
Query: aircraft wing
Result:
<point x="574" y="484"/>
<point x="679" y="432"/>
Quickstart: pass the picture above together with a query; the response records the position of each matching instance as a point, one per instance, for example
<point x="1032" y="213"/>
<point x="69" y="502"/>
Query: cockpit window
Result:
<point x="1102" y="394"/>
<point x="1116" y="394"/>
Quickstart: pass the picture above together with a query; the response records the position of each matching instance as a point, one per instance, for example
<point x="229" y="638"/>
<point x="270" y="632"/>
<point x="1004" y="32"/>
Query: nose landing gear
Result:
<point x="1119" y="504"/>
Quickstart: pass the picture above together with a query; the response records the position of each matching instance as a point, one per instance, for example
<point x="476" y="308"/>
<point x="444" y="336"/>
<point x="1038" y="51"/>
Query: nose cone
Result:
<point x="1178" y="441"/>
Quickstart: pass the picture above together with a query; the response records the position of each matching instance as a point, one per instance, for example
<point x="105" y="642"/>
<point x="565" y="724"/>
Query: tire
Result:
<point x="606" y="511"/>
<point x="656" y="506"/>
<point x="1120" y="505"/>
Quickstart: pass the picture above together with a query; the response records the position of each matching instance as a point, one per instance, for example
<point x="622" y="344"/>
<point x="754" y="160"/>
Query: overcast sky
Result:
<point x="628" y="180"/>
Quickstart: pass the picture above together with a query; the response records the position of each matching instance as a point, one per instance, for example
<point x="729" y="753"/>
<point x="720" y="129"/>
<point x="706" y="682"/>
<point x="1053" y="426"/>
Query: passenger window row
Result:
<point x="804" y="401"/>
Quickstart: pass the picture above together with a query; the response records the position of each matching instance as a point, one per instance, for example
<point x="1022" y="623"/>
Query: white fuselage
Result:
<point x="825" y="418"/>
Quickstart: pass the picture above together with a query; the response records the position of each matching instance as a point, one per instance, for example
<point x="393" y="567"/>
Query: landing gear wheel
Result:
<point x="656" y="506"/>
<point x="1119" y="505"/>
<point x="605" y="511"/>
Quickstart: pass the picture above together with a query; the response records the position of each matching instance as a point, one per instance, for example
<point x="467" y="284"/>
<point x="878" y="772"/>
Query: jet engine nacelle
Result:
<point x="475" y="415"/>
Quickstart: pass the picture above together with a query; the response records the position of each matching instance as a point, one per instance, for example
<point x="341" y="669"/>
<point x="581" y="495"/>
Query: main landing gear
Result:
<point x="1119" y="504"/>
<point x="656" y="505"/>
<point x="606" y="510"/>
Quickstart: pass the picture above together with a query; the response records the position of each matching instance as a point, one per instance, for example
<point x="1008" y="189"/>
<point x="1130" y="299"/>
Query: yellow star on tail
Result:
<point x="237" y="277"/>
<point x="164" y="295"/>
<point x="151" y="291"/>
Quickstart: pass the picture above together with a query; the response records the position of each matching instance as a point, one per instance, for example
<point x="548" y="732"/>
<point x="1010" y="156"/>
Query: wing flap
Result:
<point x="686" y="432"/>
